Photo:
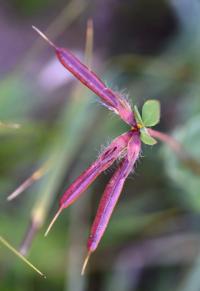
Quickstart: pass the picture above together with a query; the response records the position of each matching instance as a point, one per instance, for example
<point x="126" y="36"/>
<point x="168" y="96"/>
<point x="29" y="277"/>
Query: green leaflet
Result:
<point x="146" y="138"/>
<point x="151" y="112"/>
<point x="138" y="116"/>
<point x="150" y="117"/>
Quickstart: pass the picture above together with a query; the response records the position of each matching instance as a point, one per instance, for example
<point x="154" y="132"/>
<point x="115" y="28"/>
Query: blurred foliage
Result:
<point x="189" y="183"/>
<point x="29" y="7"/>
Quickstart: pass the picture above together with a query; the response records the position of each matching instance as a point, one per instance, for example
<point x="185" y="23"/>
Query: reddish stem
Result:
<point x="173" y="143"/>
<point x="186" y="159"/>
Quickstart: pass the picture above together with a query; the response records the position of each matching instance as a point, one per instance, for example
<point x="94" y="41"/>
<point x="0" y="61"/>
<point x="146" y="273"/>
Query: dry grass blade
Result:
<point x="9" y="125"/>
<point x="12" y="249"/>
<point x="39" y="173"/>
<point x="89" y="43"/>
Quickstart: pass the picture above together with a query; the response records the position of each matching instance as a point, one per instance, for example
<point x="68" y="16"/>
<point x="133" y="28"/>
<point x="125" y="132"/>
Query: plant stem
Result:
<point x="185" y="157"/>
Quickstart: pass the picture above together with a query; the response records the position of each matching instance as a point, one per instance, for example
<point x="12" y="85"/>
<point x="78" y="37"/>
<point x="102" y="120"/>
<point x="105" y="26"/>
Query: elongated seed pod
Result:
<point x="112" y="193"/>
<point x="113" y="100"/>
<point x="105" y="160"/>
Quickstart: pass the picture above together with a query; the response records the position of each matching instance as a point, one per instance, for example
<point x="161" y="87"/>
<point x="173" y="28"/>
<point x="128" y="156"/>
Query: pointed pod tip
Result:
<point x="90" y="24"/>
<point x="15" y="193"/>
<point x="42" y="275"/>
<point x="9" y="198"/>
<point x="53" y="221"/>
<point x="85" y="263"/>
<point x="44" y="36"/>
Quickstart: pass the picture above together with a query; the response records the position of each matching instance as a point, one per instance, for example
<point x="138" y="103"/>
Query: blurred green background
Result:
<point x="146" y="49"/>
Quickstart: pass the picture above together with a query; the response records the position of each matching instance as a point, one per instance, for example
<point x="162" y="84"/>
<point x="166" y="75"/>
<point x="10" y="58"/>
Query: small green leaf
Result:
<point x="146" y="138"/>
<point x="151" y="112"/>
<point x="137" y="115"/>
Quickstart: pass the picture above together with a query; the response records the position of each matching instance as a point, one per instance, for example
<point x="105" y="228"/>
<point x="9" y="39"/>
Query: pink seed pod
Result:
<point x="111" y="195"/>
<point x="127" y="146"/>
<point x="105" y="160"/>
<point x="112" y="100"/>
